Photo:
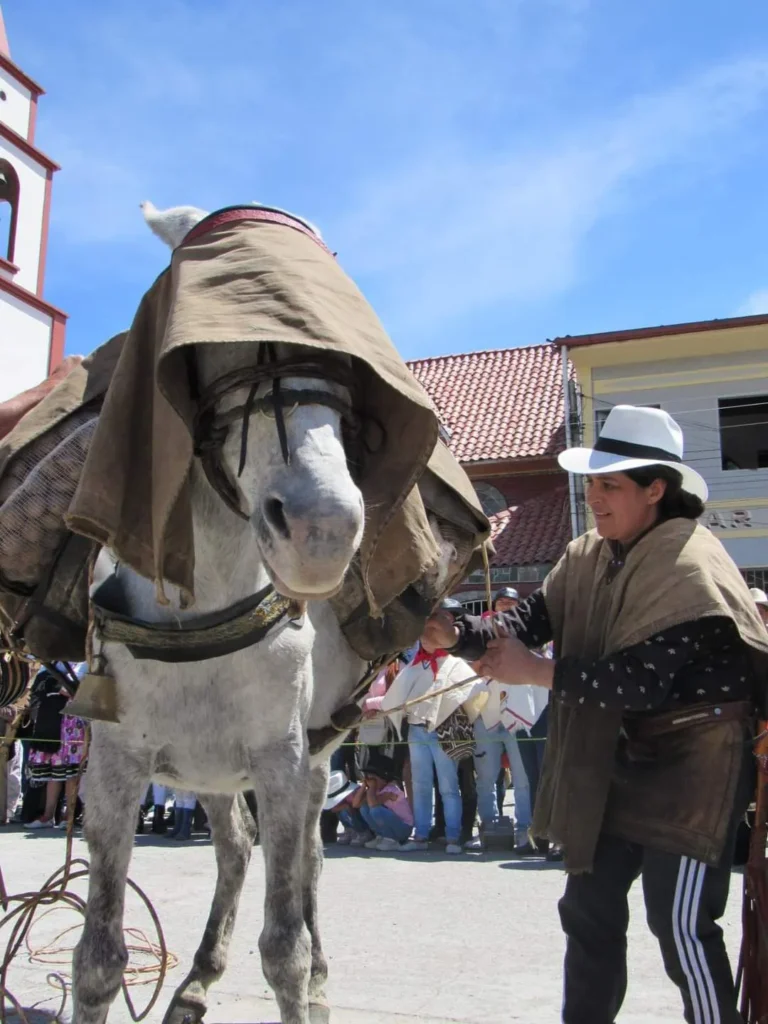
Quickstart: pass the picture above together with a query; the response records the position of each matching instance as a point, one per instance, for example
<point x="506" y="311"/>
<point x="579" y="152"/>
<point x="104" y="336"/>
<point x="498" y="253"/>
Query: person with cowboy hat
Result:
<point x="761" y="603"/>
<point x="660" y="661"/>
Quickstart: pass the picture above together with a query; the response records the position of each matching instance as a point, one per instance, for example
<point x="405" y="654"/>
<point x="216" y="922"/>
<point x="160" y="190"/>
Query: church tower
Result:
<point x="31" y="329"/>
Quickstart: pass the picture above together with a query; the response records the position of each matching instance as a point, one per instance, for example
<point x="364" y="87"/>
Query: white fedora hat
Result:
<point x="339" y="787"/>
<point x="759" y="596"/>
<point x="633" y="437"/>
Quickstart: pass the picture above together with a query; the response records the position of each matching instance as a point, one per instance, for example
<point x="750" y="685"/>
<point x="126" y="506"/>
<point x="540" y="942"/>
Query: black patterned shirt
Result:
<point x="704" y="661"/>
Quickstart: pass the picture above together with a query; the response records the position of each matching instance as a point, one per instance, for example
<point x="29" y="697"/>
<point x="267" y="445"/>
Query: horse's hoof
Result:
<point x="184" y="1013"/>
<point x="319" y="1013"/>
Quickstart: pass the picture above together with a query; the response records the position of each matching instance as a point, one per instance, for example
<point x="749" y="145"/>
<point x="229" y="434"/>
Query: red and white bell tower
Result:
<point x="31" y="329"/>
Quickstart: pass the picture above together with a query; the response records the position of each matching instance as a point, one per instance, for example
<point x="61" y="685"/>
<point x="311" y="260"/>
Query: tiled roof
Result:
<point x="534" y="532"/>
<point x="503" y="404"/>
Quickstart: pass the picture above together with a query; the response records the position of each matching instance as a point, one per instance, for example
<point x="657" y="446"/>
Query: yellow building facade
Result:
<point x="712" y="377"/>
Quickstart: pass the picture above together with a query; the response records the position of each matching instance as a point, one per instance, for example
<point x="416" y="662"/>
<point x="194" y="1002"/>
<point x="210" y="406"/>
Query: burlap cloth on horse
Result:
<point x="678" y="572"/>
<point x="43" y="567"/>
<point x="257" y="282"/>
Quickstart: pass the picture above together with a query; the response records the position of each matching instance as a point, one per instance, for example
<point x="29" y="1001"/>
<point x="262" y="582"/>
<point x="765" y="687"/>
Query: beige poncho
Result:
<point x="676" y="573"/>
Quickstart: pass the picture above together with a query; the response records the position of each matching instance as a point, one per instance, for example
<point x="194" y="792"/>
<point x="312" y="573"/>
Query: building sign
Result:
<point x="736" y="518"/>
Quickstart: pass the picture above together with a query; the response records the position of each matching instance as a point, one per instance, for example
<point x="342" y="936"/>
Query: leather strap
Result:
<point x="647" y="727"/>
<point x="232" y="214"/>
<point x="206" y="636"/>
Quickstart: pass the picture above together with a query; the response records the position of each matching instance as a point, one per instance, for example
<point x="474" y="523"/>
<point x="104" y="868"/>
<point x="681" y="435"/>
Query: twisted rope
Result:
<point x="22" y="910"/>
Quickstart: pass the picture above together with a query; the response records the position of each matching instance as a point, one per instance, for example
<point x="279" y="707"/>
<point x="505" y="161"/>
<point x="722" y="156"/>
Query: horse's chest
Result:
<point x="217" y="705"/>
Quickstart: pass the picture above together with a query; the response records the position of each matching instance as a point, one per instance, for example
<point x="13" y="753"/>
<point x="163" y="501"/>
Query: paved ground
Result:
<point x="423" y="938"/>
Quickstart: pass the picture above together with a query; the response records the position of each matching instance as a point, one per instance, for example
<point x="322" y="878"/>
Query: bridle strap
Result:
<point x="211" y="427"/>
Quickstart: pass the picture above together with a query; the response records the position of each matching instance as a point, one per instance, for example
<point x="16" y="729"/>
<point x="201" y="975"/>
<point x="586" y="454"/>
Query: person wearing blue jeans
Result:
<point x="490" y="744"/>
<point x="385" y="823"/>
<point x="427" y="754"/>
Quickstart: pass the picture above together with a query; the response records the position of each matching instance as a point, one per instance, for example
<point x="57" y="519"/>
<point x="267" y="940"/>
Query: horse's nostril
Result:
<point x="275" y="516"/>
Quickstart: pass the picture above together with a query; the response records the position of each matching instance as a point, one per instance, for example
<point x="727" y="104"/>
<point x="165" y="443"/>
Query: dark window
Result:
<point x="757" y="577"/>
<point x="9" y="209"/>
<point x="491" y="498"/>
<point x="743" y="432"/>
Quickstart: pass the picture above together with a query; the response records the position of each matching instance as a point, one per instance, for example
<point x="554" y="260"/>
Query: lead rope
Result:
<point x="54" y="894"/>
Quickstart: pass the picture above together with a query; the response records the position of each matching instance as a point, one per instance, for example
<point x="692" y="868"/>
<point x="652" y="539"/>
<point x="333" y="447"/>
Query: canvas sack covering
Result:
<point x="257" y="282"/>
<point x="43" y="567"/>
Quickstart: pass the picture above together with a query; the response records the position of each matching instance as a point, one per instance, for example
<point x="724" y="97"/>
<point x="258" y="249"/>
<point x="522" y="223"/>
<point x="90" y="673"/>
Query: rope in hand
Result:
<point x="21" y="912"/>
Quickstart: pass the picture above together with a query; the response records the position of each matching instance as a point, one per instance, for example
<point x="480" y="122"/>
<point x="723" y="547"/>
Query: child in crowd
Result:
<point x="383" y="804"/>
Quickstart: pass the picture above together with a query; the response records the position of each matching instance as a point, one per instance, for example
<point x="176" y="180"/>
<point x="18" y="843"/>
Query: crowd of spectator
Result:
<point x="438" y="749"/>
<point x="437" y="752"/>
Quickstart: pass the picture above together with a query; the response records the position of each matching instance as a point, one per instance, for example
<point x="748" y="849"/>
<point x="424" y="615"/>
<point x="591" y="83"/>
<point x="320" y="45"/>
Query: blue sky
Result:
<point x="491" y="172"/>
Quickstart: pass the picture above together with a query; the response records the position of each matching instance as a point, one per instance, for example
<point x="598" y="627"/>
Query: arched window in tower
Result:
<point x="9" y="209"/>
<point x="490" y="497"/>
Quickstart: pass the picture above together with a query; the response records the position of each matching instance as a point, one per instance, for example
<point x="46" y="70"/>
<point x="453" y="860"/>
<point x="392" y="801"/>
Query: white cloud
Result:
<point x="455" y="231"/>
<point x="412" y="139"/>
<point x="755" y="303"/>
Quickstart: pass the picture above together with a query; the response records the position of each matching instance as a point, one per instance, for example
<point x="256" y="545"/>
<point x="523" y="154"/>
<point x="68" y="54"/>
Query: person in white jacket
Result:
<point x="507" y="710"/>
<point x="432" y="670"/>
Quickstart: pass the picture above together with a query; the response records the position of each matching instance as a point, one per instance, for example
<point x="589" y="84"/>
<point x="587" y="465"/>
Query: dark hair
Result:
<point x="676" y="503"/>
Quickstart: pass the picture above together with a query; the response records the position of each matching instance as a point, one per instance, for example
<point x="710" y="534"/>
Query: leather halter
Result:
<point x="211" y="427"/>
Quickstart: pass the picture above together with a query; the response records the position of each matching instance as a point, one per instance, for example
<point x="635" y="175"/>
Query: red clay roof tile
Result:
<point x="534" y="532"/>
<point x="503" y="404"/>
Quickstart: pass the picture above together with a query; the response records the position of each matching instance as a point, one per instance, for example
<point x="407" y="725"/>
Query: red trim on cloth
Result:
<point x="233" y="214"/>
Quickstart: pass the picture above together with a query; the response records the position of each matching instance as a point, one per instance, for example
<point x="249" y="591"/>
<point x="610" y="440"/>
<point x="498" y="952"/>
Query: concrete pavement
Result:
<point x="409" y="938"/>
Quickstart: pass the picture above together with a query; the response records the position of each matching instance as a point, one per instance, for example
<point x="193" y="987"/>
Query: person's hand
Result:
<point x="440" y="630"/>
<point x="508" y="660"/>
<point x="7" y="714"/>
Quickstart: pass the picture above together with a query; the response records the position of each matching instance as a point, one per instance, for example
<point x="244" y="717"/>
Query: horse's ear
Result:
<point x="173" y="224"/>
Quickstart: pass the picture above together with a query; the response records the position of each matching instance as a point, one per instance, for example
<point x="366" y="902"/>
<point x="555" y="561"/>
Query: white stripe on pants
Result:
<point x="685" y="913"/>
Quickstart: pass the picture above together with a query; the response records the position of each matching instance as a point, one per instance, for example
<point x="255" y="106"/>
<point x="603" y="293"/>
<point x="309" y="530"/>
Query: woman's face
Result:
<point x="622" y="508"/>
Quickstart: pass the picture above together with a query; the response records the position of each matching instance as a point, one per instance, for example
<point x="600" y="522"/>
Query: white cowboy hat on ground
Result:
<point x="633" y="437"/>
<point x="759" y="596"/>
<point x="339" y="787"/>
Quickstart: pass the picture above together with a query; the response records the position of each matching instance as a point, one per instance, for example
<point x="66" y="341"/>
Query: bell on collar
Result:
<point x="96" y="699"/>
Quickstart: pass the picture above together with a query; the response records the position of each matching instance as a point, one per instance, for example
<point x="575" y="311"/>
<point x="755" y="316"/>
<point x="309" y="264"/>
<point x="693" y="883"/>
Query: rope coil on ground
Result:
<point x="21" y="913"/>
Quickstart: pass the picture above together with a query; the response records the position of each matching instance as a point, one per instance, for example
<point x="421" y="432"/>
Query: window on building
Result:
<point x="490" y="497"/>
<point x="757" y="577"/>
<point x="601" y="415"/>
<point x="9" y="209"/>
<point x="474" y="607"/>
<point x="744" y="432"/>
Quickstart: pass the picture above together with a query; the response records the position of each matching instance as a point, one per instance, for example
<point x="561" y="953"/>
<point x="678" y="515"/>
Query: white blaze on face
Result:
<point x="308" y="515"/>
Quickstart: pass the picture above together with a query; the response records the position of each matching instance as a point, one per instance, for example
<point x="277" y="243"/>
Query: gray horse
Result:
<point x="238" y="721"/>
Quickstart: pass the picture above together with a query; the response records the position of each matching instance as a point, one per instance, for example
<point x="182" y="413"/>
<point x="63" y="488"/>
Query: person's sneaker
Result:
<point x="555" y="854"/>
<point x="453" y="848"/>
<point x="345" y="838"/>
<point x="527" y="850"/>
<point x="476" y="844"/>
<point x="373" y="844"/>
<point x="414" y="846"/>
<point x="361" y="838"/>
<point x="386" y="845"/>
<point x="39" y="823"/>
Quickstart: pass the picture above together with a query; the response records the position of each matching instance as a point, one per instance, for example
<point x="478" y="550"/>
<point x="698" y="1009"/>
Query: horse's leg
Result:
<point x="233" y="830"/>
<point x="313" y="865"/>
<point x="117" y="781"/>
<point x="281" y="780"/>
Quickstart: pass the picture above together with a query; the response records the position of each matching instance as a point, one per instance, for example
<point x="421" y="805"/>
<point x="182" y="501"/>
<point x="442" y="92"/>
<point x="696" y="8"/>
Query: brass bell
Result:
<point x="96" y="699"/>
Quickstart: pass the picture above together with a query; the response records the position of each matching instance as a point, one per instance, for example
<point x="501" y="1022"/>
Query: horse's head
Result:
<point x="272" y="445"/>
